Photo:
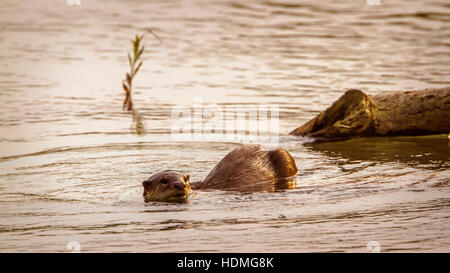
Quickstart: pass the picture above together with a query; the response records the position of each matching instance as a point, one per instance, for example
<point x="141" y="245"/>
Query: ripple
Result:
<point x="72" y="162"/>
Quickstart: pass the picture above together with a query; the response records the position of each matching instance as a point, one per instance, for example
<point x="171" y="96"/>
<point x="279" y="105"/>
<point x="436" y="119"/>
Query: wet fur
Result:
<point x="247" y="165"/>
<point x="156" y="190"/>
<point x="248" y="168"/>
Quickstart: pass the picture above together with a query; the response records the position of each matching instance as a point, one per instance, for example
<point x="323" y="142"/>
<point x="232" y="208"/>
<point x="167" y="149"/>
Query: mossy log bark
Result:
<point x="422" y="112"/>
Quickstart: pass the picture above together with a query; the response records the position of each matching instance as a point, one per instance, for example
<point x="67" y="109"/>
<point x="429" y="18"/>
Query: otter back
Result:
<point x="248" y="165"/>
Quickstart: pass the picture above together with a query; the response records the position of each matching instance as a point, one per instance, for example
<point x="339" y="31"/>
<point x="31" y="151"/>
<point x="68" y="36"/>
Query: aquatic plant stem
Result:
<point x="127" y="84"/>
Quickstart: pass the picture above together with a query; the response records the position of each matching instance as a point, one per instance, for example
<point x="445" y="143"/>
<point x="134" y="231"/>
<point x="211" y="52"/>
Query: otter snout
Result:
<point x="178" y="185"/>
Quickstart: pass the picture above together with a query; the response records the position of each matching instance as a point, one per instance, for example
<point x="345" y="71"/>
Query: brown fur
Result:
<point x="248" y="168"/>
<point x="168" y="186"/>
<point x="247" y="165"/>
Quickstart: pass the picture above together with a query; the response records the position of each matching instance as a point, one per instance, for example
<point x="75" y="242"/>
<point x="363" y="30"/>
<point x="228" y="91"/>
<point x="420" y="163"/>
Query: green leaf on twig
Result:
<point x="133" y="58"/>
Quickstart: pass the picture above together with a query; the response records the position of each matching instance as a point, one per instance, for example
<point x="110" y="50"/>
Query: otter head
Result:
<point x="167" y="186"/>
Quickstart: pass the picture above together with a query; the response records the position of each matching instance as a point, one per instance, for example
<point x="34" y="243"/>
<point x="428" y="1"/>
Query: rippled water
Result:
<point x="72" y="162"/>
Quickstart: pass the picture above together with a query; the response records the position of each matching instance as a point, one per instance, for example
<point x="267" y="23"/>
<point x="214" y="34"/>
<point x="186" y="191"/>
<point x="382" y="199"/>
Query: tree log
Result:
<point x="423" y="112"/>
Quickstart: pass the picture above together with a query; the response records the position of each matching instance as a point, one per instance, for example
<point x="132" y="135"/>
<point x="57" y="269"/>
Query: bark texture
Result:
<point x="355" y="113"/>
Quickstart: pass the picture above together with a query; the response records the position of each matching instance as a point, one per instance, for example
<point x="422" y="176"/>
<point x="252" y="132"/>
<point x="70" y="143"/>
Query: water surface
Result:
<point x="72" y="162"/>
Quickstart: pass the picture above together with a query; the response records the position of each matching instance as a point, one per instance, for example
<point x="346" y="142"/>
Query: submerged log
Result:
<point x="423" y="112"/>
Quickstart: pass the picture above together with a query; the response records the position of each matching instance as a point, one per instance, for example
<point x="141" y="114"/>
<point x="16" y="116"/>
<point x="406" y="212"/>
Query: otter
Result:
<point x="248" y="168"/>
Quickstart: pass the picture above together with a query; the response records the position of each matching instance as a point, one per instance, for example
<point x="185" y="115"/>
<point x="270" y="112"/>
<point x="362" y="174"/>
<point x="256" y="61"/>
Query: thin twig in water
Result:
<point x="128" y="82"/>
<point x="154" y="34"/>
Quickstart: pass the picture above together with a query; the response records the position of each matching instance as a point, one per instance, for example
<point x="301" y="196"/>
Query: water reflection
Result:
<point x="267" y="186"/>
<point x="138" y="123"/>
<point x="428" y="152"/>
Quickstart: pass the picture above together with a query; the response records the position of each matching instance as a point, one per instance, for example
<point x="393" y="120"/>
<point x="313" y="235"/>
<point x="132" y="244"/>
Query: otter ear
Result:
<point x="186" y="177"/>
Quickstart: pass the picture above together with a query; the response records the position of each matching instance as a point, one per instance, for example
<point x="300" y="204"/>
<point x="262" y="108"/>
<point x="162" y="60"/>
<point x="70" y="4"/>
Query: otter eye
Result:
<point x="164" y="181"/>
